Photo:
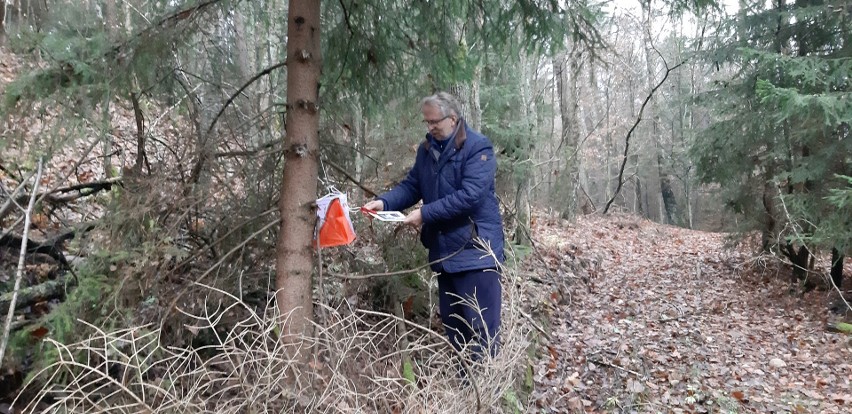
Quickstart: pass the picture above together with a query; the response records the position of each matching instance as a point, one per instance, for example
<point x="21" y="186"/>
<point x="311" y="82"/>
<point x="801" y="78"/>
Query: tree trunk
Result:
<point x="802" y="262"/>
<point x="522" y="212"/>
<point x="638" y="207"/>
<point x="522" y="177"/>
<point x="128" y="18"/>
<point x="50" y="289"/>
<point x="468" y="93"/>
<point x="768" y="230"/>
<point x="669" y="200"/>
<point x="242" y="35"/>
<point x="837" y="268"/>
<point x="475" y="115"/>
<point x="572" y="136"/>
<point x="567" y="72"/>
<point x="246" y="63"/>
<point x="462" y="93"/>
<point x="559" y="69"/>
<point x="359" y="125"/>
<point x="294" y="256"/>
<point x="2" y="21"/>
<point x="110" y="19"/>
<point x="611" y="167"/>
<point x="596" y="113"/>
<point x="668" y="204"/>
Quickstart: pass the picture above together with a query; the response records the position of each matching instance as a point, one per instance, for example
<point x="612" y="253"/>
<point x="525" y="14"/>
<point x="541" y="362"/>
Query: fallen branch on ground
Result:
<point x="78" y="191"/>
<point x="611" y="365"/>
<point x="839" y="327"/>
<point x="49" y="247"/>
<point x="28" y="296"/>
<point x="20" y="275"/>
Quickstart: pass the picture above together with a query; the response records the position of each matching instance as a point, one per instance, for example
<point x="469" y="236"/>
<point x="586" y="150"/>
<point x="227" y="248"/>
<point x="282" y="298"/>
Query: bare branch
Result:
<point x="28" y="217"/>
<point x="242" y="88"/>
<point x="141" y="157"/>
<point x="351" y="178"/>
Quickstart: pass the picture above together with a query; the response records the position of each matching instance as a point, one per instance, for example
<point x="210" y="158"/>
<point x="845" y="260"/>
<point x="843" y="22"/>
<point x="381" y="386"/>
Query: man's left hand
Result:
<point x="414" y="219"/>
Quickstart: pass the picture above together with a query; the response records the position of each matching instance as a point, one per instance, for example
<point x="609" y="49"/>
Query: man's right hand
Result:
<point x="375" y="205"/>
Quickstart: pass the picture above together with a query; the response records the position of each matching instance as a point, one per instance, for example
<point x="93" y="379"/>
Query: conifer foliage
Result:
<point x="779" y="142"/>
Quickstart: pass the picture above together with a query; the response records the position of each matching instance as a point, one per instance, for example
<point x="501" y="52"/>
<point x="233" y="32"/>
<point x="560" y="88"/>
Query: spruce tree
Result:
<point x="780" y="139"/>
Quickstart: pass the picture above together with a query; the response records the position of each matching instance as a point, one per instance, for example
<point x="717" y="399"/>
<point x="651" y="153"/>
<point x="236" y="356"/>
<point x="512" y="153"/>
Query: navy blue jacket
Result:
<point x="459" y="200"/>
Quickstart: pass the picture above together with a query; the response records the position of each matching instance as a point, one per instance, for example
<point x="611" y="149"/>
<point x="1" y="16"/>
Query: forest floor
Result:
<point x="677" y="321"/>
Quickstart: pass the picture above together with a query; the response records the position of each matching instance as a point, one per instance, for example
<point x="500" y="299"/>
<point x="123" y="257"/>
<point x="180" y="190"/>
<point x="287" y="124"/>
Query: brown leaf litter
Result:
<point x="675" y="321"/>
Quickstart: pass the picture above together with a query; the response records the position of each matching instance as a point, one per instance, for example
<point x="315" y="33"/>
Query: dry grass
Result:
<point x="356" y="366"/>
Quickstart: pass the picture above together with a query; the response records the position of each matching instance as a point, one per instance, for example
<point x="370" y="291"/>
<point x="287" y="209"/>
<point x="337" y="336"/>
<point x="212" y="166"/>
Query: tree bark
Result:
<point x="360" y="127"/>
<point x="768" y="234"/>
<point x="837" y="268"/>
<point x="128" y="19"/>
<point x="110" y="18"/>
<point x="668" y="195"/>
<point x="559" y="74"/>
<point x="2" y="21"/>
<point x="522" y="177"/>
<point x="668" y="210"/>
<point x="294" y="258"/>
<point x="567" y="87"/>
<point x="27" y="296"/>
<point x="475" y="115"/>
<point x="141" y="158"/>
<point x="802" y="262"/>
<point x="638" y="204"/>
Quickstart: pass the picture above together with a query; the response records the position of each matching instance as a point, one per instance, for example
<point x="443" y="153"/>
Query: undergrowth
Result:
<point x="359" y="361"/>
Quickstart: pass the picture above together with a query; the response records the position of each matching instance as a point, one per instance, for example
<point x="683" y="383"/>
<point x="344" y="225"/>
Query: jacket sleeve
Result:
<point x="479" y="170"/>
<point x="407" y="192"/>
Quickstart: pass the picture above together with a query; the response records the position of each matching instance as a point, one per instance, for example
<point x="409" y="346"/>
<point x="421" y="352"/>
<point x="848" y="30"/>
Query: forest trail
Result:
<point x="674" y="321"/>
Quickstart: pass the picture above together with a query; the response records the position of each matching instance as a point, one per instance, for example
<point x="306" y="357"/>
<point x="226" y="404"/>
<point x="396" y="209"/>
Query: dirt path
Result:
<point x="673" y="322"/>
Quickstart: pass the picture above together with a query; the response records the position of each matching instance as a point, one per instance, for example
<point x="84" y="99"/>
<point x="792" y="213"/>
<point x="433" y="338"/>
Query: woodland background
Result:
<point x="159" y="159"/>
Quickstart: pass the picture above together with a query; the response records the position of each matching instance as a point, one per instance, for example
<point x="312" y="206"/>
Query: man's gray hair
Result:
<point x="446" y="103"/>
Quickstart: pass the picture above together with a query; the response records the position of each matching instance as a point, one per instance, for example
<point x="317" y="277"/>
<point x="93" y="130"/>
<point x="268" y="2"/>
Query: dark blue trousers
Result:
<point x="466" y="325"/>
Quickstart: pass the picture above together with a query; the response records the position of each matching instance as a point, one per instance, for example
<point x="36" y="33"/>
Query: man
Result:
<point x="460" y="222"/>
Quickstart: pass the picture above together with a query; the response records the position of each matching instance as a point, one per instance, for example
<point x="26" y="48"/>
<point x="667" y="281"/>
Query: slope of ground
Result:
<point x="677" y="322"/>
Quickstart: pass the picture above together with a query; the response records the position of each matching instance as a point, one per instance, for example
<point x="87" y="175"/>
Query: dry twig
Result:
<point x="28" y="218"/>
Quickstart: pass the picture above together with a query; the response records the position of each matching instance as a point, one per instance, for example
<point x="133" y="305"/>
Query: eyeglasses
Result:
<point x="430" y="122"/>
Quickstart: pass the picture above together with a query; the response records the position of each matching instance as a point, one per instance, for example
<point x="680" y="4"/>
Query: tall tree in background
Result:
<point x="566" y="68"/>
<point x="668" y="204"/>
<point x="2" y="20"/>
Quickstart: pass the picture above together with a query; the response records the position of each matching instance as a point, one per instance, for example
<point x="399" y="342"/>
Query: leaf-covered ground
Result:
<point x="673" y="321"/>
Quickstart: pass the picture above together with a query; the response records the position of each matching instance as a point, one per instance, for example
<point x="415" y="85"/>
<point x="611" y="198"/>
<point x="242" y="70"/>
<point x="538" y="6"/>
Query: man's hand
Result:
<point x="414" y="219"/>
<point x="375" y="205"/>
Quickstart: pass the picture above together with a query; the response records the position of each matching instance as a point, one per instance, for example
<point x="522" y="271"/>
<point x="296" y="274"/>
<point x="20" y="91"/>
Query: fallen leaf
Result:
<point x="39" y="332"/>
<point x="407" y="306"/>
<point x="841" y="398"/>
<point x="575" y="404"/>
<point x="192" y="329"/>
<point x="635" y="387"/>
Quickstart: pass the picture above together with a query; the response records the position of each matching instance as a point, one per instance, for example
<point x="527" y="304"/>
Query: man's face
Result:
<point x="439" y="126"/>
